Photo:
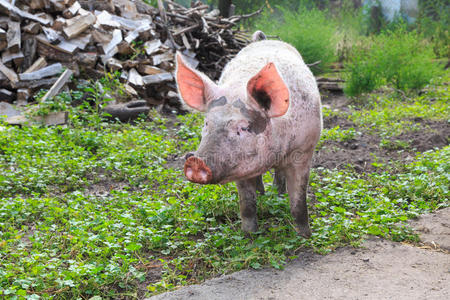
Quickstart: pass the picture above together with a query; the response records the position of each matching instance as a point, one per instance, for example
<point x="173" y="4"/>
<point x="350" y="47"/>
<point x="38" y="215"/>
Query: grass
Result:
<point x="397" y="58"/>
<point x="384" y="116"/>
<point x="94" y="209"/>
<point x="296" y="30"/>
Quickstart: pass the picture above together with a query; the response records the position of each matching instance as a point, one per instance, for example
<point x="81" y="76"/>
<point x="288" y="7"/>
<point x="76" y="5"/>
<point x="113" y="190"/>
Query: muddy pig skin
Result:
<point x="264" y="113"/>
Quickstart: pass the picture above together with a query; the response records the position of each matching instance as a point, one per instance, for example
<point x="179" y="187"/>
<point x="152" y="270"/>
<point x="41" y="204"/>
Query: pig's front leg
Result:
<point x="297" y="176"/>
<point x="247" y="202"/>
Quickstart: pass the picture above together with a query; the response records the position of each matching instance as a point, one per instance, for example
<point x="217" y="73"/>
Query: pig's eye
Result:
<point x="243" y="129"/>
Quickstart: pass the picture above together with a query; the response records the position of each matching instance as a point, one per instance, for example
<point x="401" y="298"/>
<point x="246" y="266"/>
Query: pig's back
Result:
<point x="302" y="123"/>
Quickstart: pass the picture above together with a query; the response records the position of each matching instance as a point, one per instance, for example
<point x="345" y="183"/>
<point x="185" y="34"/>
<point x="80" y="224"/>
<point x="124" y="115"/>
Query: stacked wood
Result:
<point x="330" y="84"/>
<point x="45" y="42"/>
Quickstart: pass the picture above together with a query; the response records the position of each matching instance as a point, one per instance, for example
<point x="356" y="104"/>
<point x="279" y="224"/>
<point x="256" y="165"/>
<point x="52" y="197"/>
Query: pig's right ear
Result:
<point x="194" y="88"/>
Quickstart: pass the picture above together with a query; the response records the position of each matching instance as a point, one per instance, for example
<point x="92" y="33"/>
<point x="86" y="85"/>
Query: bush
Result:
<point x="309" y="30"/>
<point x="398" y="58"/>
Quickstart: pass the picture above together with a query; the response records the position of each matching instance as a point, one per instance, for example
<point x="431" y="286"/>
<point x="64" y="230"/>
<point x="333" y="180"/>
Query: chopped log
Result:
<point x="97" y="5"/>
<point x="52" y="36"/>
<point x="35" y="85"/>
<point x="134" y="79"/>
<point x="116" y="39"/>
<point x="148" y="70"/>
<point x="23" y="95"/>
<point x="126" y="8"/>
<point x="53" y="118"/>
<point x="2" y="35"/>
<point x="72" y="11"/>
<point x="105" y="19"/>
<point x="325" y="79"/>
<point x="15" y="10"/>
<point x="135" y="33"/>
<point x="101" y="36"/>
<point x="157" y="78"/>
<point x="62" y="80"/>
<point x="42" y="73"/>
<point x="3" y="45"/>
<point x="331" y="86"/>
<point x="81" y="41"/>
<point x="58" y="5"/>
<point x="6" y="95"/>
<point x="87" y="59"/>
<point x="130" y="91"/>
<point x="128" y="24"/>
<point x="4" y="22"/>
<point x="13" y="37"/>
<point x="129" y="64"/>
<point x="38" y="64"/>
<point x="33" y="28"/>
<point x="36" y="4"/>
<point x="59" y="24"/>
<point x="8" y="58"/>
<point x="158" y="59"/>
<point x="79" y="27"/>
<point x="10" y="74"/>
<point x="123" y="77"/>
<point x="152" y="46"/>
<point x="62" y="52"/>
<point x="113" y="64"/>
<point x="124" y="48"/>
<point x="29" y="51"/>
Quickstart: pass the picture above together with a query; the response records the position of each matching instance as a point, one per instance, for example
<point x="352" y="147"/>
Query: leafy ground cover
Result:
<point x="102" y="209"/>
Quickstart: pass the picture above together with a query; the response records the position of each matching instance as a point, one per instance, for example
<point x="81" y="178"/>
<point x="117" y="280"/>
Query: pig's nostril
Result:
<point x="188" y="155"/>
<point x="197" y="171"/>
<point x="189" y="172"/>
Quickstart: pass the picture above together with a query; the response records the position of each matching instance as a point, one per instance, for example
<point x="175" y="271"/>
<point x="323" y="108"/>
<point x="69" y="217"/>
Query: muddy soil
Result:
<point x="360" y="154"/>
<point x="380" y="270"/>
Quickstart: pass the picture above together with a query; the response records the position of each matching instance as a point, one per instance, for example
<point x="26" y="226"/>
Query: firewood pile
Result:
<point x="43" y="43"/>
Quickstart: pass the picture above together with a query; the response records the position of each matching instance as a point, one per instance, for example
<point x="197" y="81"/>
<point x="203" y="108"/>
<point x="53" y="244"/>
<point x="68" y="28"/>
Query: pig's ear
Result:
<point x="194" y="87"/>
<point x="268" y="89"/>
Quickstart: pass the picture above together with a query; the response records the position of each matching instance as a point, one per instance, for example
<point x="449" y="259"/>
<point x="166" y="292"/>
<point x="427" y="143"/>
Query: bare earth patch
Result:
<point x="380" y="270"/>
<point x="360" y="153"/>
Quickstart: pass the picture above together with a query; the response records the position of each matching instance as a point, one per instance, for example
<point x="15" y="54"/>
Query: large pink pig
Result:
<point x="264" y="113"/>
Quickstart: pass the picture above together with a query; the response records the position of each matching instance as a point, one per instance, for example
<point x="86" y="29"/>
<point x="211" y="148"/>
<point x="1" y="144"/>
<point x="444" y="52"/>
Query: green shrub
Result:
<point x="311" y="31"/>
<point x="434" y="23"/>
<point x="401" y="59"/>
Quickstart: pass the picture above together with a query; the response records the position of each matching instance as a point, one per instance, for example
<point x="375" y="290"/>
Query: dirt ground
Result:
<point x="360" y="153"/>
<point x="380" y="270"/>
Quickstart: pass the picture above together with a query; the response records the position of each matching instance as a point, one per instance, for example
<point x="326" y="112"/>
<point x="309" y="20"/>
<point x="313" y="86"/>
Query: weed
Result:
<point x="398" y="58"/>
<point x="312" y="32"/>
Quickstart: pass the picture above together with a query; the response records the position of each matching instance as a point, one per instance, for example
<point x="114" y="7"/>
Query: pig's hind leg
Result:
<point x="247" y="201"/>
<point x="279" y="180"/>
<point x="297" y="176"/>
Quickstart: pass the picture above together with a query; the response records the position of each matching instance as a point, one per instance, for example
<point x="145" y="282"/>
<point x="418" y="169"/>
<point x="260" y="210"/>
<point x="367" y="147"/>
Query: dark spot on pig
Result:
<point x="262" y="98"/>
<point x="257" y="121"/>
<point x="217" y="102"/>
<point x="239" y="104"/>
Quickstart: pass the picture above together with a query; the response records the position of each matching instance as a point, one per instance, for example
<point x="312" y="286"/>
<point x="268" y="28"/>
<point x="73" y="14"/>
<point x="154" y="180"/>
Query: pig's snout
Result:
<point x="197" y="171"/>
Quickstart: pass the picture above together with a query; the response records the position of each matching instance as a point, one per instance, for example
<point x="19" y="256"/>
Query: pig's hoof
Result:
<point x="303" y="231"/>
<point x="249" y="225"/>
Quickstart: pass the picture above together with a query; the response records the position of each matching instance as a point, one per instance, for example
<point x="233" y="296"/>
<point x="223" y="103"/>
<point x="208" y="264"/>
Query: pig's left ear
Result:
<point x="269" y="91"/>
<point x="195" y="88"/>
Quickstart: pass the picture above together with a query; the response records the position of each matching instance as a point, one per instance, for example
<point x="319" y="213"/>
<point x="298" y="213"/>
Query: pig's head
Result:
<point x="237" y="125"/>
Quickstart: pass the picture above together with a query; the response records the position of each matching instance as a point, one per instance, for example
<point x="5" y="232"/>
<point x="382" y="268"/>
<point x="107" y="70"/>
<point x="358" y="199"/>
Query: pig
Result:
<point x="264" y="113"/>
